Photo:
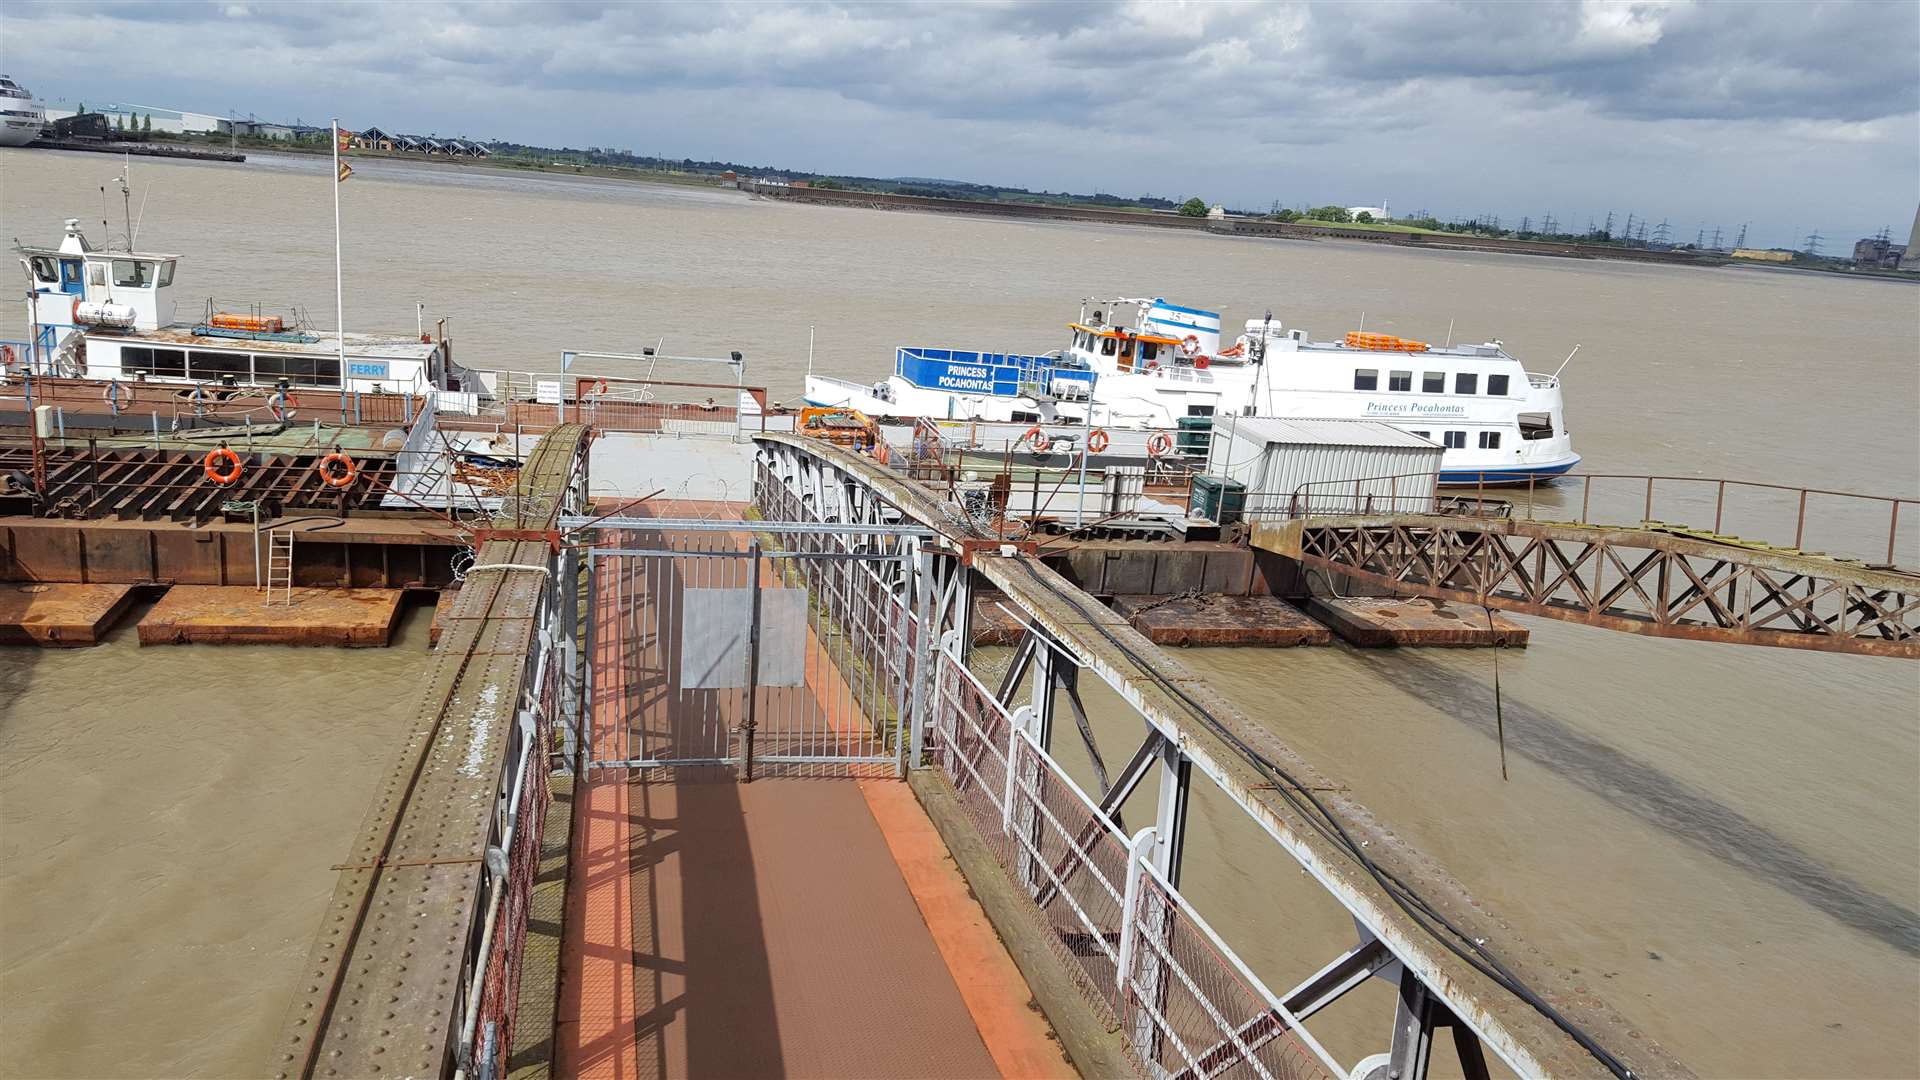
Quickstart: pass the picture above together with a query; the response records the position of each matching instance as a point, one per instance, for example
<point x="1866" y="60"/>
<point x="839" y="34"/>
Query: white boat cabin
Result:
<point x="112" y="314"/>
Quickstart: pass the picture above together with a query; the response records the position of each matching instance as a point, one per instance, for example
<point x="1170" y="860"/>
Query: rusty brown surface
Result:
<point x="60" y="616"/>
<point x="1636" y="580"/>
<point x="235" y="615"/>
<point x="364" y="552"/>
<point x="442" y="611"/>
<point x="1220" y="620"/>
<point x="1377" y="623"/>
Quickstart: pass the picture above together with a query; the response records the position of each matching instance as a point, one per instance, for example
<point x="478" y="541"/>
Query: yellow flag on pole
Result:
<point x="346" y="170"/>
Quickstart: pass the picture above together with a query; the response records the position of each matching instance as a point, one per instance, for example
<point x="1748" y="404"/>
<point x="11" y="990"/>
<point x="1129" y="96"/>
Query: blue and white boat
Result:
<point x="1498" y="422"/>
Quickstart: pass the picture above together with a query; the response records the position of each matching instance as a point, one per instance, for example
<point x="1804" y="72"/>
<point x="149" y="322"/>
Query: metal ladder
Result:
<point x="280" y="565"/>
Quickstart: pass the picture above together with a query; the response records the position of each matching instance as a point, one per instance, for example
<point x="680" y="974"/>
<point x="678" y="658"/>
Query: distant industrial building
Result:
<point x="130" y="117"/>
<point x="1878" y="253"/>
<point x="374" y="138"/>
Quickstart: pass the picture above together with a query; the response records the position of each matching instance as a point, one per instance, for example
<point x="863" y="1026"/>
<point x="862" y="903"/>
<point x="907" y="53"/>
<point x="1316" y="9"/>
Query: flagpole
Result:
<point x="339" y="306"/>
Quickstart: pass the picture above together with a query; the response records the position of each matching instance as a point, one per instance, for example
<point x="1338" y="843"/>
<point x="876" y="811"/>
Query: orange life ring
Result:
<point x="1037" y="439"/>
<point x="1159" y="443"/>
<point x="1190" y="346"/>
<point x="348" y="470"/>
<point x="210" y="464"/>
<point x="1201" y="362"/>
<point x="6" y="356"/>
<point x="74" y="317"/>
<point x="1097" y="441"/>
<point x="600" y="388"/>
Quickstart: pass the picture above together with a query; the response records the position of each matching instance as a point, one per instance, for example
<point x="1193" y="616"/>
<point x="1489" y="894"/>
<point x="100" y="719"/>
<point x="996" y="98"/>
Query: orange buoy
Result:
<point x="1097" y="440"/>
<point x="340" y="477"/>
<point x="212" y="466"/>
<point x="1159" y="444"/>
<point x="1037" y="439"/>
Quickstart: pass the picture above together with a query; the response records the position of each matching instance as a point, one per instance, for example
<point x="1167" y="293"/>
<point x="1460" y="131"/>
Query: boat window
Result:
<point x="298" y="370"/>
<point x="1399" y="380"/>
<point x="97" y="273"/>
<point x="1148" y="350"/>
<point x="1019" y="417"/>
<point x="1489" y="440"/>
<point x="166" y="364"/>
<point x="1465" y="383"/>
<point x="210" y="366"/>
<point x="1366" y="379"/>
<point x="1106" y="346"/>
<point x="1455" y="440"/>
<point x="44" y="270"/>
<point x="132" y="273"/>
<point x="1497" y="385"/>
<point x="1433" y="382"/>
<point x="1536" y="425"/>
<point x="1422" y="434"/>
<point x="1199" y="410"/>
<point x="166" y="274"/>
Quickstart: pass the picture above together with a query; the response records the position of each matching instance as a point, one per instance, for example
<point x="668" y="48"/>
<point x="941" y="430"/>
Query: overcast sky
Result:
<point x="1791" y="116"/>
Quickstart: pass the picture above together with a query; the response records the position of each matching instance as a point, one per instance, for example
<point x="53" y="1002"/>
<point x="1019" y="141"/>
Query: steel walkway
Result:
<point x="402" y="945"/>
<point x="1657" y="581"/>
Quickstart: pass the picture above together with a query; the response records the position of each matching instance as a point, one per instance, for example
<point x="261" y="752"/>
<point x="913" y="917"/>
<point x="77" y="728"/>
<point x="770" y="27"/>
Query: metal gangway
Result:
<point x="1105" y="885"/>
<point x="1652" y="555"/>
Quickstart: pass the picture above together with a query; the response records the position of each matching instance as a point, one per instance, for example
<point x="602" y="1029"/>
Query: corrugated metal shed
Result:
<point x="1302" y="466"/>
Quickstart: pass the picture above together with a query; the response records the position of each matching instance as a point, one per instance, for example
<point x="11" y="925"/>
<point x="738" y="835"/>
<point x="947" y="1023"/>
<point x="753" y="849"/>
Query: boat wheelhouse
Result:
<point x="111" y="314"/>
<point x="1498" y="422"/>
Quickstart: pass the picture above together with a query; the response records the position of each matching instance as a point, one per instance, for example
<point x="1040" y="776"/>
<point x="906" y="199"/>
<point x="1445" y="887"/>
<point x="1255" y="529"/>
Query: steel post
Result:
<point x="748" y="725"/>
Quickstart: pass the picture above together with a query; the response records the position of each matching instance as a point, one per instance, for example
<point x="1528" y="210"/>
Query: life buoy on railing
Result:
<point x="1201" y="362"/>
<point x="1037" y="439"/>
<point x="1190" y="346"/>
<point x="336" y="470"/>
<point x="6" y="356"/>
<point x="1097" y="441"/>
<point x="600" y="388"/>
<point x="281" y="405"/>
<point x="212" y="466"/>
<point x="1159" y="444"/>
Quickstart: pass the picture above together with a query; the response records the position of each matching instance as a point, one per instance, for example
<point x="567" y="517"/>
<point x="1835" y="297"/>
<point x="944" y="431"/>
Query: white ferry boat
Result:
<point x="20" y="117"/>
<point x="1498" y="422"/>
<point x="111" y="314"/>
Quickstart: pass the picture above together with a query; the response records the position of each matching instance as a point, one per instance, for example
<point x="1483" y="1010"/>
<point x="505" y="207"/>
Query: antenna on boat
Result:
<point x="1363" y="322"/>
<point x="1564" y="363"/>
<point x="1449" y="343"/>
<point x="139" y="220"/>
<point x="809" y="348"/>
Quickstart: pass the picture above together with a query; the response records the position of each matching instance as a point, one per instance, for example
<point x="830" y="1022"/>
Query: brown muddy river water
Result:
<point x="1725" y="839"/>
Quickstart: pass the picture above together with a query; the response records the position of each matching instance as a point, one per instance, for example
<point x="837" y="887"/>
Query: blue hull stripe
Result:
<point x="1516" y="474"/>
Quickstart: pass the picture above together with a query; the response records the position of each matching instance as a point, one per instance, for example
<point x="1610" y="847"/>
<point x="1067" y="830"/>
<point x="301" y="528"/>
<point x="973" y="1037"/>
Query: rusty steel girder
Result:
<point x="1637" y="580"/>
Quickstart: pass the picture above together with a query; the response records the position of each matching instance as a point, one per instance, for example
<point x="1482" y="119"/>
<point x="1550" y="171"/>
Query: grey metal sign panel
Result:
<point x="713" y="638"/>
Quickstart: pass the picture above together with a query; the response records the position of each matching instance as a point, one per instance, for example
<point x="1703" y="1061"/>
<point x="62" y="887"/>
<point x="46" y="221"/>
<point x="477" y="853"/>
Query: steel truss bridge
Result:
<point x="1639" y="580"/>
<point x="1184" y="1004"/>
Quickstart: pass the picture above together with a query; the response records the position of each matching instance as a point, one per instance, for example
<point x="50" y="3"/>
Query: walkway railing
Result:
<point x="1186" y="1003"/>
<point x="1841" y="523"/>
<point x="534" y="400"/>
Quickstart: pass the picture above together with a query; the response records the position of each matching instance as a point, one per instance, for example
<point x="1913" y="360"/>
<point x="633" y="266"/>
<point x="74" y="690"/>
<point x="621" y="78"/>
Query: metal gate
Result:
<point x="756" y="646"/>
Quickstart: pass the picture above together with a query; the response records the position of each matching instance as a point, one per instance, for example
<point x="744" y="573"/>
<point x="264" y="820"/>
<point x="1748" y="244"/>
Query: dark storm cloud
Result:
<point x="1280" y="95"/>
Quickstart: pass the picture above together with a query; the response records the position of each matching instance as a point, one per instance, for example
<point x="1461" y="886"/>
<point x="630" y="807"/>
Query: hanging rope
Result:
<point x="1499" y="715"/>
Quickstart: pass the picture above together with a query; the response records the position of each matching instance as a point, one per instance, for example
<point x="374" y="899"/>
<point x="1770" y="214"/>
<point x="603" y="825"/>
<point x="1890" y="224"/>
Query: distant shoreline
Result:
<point x="1231" y="226"/>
